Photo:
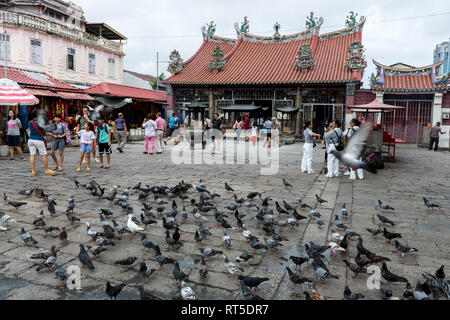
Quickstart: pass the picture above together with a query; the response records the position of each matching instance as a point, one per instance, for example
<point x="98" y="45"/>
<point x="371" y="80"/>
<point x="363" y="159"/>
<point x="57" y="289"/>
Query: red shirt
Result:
<point x="246" y="123"/>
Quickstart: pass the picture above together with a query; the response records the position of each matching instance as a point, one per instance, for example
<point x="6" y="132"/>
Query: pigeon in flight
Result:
<point x="351" y="155"/>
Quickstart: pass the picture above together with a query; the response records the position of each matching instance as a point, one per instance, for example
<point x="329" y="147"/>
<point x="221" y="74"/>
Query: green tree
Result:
<point x="160" y="78"/>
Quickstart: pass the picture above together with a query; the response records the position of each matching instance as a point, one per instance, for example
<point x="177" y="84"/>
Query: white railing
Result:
<point x="35" y="23"/>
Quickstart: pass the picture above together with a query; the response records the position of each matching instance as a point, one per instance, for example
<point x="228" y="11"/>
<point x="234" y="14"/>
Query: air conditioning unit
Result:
<point x="446" y="116"/>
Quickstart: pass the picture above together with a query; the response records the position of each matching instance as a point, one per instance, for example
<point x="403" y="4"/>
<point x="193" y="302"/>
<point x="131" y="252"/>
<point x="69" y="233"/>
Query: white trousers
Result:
<point x="159" y="139"/>
<point x="359" y="172"/>
<point x="332" y="163"/>
<point x="308" y="152"/>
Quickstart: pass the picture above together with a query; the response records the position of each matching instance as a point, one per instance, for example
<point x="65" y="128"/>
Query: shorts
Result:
<point x="172" y="131"/>
<point x="37" y="146"/>
<point x="85" y="147"/>
<point x="104" y="148"/>
<point x="58" y="144"/>
<point x="269" y="134"/>
<point x="13" y="141"/>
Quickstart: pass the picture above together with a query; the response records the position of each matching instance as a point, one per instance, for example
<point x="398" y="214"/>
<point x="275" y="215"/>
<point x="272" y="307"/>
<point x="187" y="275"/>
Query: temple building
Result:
<point x="297" y="77"/>
<point x="422" y="91"/>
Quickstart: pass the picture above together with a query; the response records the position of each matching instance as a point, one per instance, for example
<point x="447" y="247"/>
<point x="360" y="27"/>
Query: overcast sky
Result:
<point x="160" y="26"/>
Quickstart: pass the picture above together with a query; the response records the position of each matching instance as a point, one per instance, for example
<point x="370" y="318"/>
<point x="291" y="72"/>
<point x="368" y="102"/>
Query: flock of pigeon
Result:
<point x="199" y="206"/>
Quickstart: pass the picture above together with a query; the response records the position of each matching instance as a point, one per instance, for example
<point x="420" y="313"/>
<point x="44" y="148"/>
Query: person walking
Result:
<point x="434" y="136"/>
<point x="174" y="127"/>
<point x="268" y="125"/>
<point x="121" y="132"/>
<point x="160" y="129"/>
<point x="308" y="147"/>
<point x="150" y="127"/>
<point x="246" y="127"/>
<point x="87" y="139"/>
<point x="216" y="126"/>
<point x="13" y="136"/>
<point x="37" y="143"/>
<point x="103" y="136"/>
<point x="238" y="128"/>
<point x="58" y="142"/>
<point x="334" y="142"/>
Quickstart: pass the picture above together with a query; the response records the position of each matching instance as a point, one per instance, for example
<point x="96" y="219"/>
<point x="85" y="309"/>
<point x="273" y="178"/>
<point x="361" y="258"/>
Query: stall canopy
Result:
<point x="287" y="109"/>
<point x="194" y="106"/>
<point x="12" y="94"/>
<point x="374" y="106"/>
<point x="242" y="107"/>
<point x="109" y="90"/>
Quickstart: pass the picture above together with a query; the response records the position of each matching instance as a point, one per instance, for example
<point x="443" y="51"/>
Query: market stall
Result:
<point x="380" y="136"/>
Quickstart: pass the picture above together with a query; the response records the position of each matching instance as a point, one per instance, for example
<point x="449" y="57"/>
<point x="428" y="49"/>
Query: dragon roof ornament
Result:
<point x="176" y="63"/>
<point x="304" y="59"/>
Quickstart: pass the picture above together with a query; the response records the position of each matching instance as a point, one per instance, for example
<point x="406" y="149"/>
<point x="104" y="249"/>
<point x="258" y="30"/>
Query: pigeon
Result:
<point x="208" y="252"/>
<point x="313" y="213"/>
<point x="187" y="293"/>
<point x="111" y="196"/>
<point x="162" y="260"/>
<point x="355" y="268"/>
<point x="375" y="258"/>
<point x="360" y="261"/>
<point x="16" y="205"/>
<point x="60" y="274"/>
<point x="296" y="279"/>
<point x="145" y="221"/>
<point x="349" y="295"/>
<point x="39" y="219"/>
<point x="389" y="276"/>
<point x="390" y="236"/>
<point x="248" y="294"/>
<point x="351" y="155"/>
<point x="361" y="248"/>
<point x="344" y="211"/>
<point x="298" y="216"/>
<point x="419" y="294"/>
<point x="95" y="250"/>
<point x="27" y="238"/>
<point x="440" y="273"/>
<point x="280" y="209"/>
<point x="147" y="295"/>
<point x="203" y="230"/>
<point x="44" y="255"/>
<point x="230" y="267"/>
<point x="203" y="271"/>
<point x="114" y="291"/>
<point x="386" y="292"/>
<point x="252" y="282"/>
<point x="133" y="227"/>
<point x="408" y="293"/>
<point x="226" y="239"/>
<point x="71" y="217"/>
<point x="270" y="243"/>
<point x="244" y="257"/>
<point x="384" y="206"/>
<point x="228" y="188"/>
<point x="287" y="184"/>
<point x="27" y="192"/>
<point x="178" y="274"/>
<point x="321" y="273"/>
<point x="84" y="258"/>
<point x="429" y="204"/>
<point x="320" y="200"/>
<point x="385" y="220"/>
<point x="252" y="195"/>
<point x="288" y="206"/>
<point x="403" y="249"/>
<point x="63" y="234"/>
<point x="48" y="229"/>
<point x="298" y="261"/>
<point x="145" y="272"/>
<point x="119" y="229"/>
<point x="335" y="237"/>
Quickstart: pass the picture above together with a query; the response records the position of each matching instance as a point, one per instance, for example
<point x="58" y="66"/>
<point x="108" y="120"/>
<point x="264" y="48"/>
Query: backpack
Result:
<point x="340" y="145"/>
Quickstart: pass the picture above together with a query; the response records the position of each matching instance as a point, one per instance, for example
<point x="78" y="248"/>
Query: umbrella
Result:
<point x="11" y="94"/>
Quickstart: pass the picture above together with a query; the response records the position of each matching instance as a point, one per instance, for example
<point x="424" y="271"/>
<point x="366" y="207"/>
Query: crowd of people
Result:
<point x="332" y="138"/>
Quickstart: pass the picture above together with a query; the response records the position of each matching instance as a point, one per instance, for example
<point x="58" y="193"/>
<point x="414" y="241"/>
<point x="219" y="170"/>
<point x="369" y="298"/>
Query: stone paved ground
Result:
<point x="417" y="173"/>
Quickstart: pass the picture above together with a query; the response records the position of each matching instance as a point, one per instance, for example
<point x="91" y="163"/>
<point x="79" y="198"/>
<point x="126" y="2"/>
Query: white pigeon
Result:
<point x="133" y="227"/>
<point x="7" y="219"/>
<point x="187" y="293"/>
<point x="230" y="267"/>
<point x="351" y="155"/>
<point x="247" y="234"/>
<point x="335" y="237"/>
<point x="335" y="247"/>
<point x="3" y="228"/>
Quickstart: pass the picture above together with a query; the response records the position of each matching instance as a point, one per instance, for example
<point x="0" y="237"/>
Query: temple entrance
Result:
<point x="318" y="114"/>
<point x="242" y="108"/>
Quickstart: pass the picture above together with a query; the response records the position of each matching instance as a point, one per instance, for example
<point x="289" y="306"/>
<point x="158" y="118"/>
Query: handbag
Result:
<point x="39" y="131"/>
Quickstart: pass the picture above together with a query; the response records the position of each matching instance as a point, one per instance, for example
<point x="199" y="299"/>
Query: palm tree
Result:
<point x="160" y="78"/>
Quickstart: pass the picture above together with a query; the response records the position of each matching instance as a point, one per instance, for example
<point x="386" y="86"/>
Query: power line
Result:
<point x="289" y="30"/>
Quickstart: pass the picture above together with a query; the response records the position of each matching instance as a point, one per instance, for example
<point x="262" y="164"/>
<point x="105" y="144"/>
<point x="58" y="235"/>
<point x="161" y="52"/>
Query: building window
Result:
<point x="91" y="63"/>
<point x="111" y="67"/>
<point x="36" y="51"/>
<point x="71" y="59"/>
<point x="54" y="15"/>
<point x="5" y="47"/>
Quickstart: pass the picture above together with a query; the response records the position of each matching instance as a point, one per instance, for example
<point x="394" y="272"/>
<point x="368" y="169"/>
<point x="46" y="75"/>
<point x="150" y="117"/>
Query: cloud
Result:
<point x="161" y="26"/>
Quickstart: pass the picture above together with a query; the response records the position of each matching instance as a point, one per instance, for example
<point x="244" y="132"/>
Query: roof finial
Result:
<point x="311" y="22"/>
<point x="356" y="60"/>
<point x="176" y="62"/>
<point x="304" y="59"/>
<point x="245" y="26"/>
<point x="217" y="62"/>
<point x="211" y="28"/>
<point x="351" y="20"/>
<point x="276" y="28"/>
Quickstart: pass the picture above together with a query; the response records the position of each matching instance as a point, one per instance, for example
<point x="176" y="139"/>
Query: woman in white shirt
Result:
<point x="238" y="127"/>
<point x="150" y="133"/>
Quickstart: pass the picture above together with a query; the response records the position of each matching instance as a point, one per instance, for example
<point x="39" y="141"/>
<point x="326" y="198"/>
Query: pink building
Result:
<point x="53" y="37"/>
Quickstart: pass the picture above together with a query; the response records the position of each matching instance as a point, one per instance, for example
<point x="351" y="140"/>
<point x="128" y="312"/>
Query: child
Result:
<point x="150" y="133"/>
<point x="254" y="132"/>
<point x="87" y="139"/>
<point x="58" y="142"/>
<point x="103" y="136"/>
